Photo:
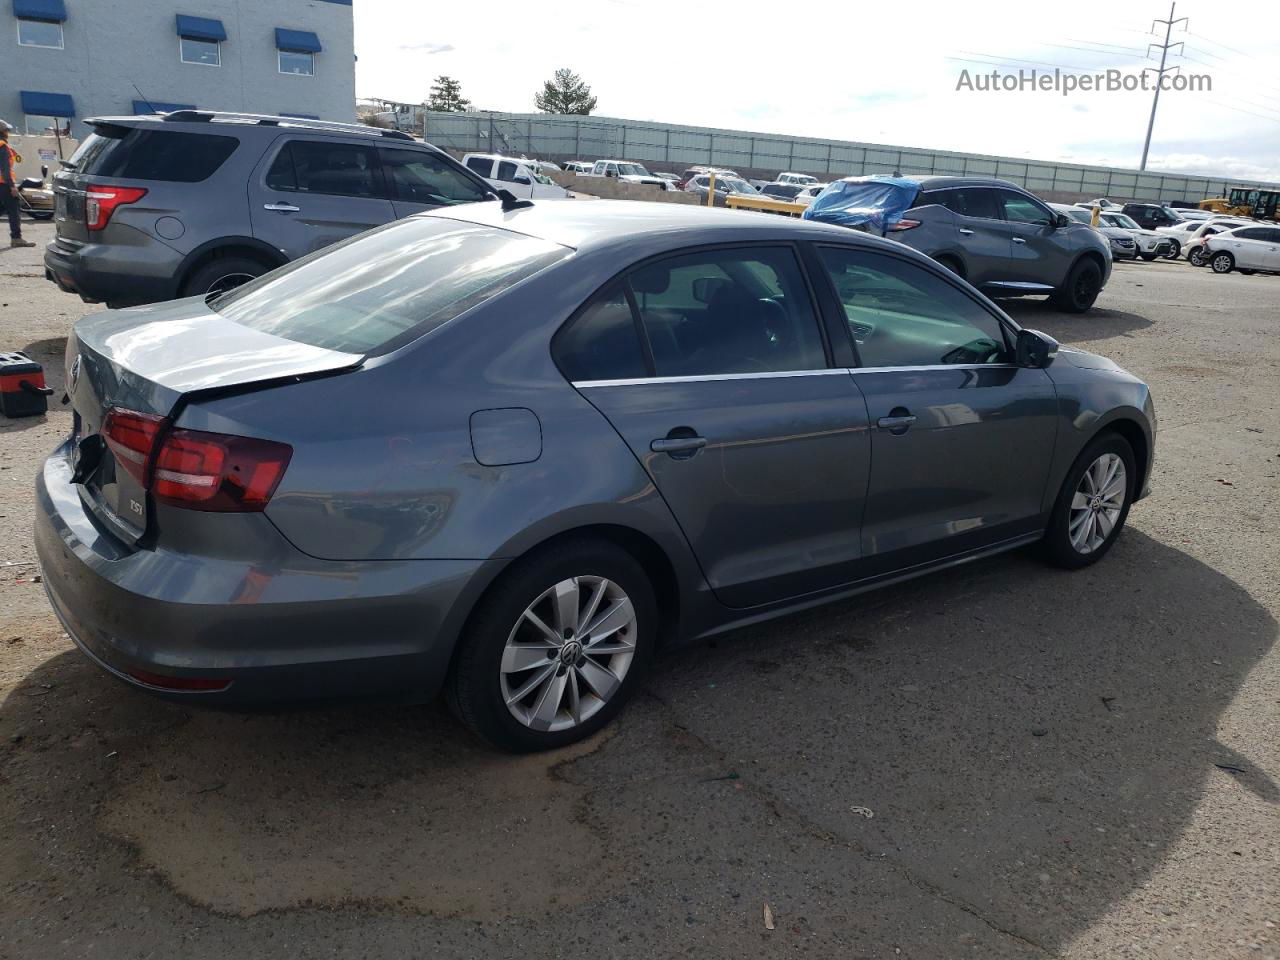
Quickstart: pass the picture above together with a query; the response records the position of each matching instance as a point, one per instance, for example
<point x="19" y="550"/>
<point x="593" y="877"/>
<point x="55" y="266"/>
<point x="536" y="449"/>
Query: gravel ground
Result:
<point x="1001" y="761"/>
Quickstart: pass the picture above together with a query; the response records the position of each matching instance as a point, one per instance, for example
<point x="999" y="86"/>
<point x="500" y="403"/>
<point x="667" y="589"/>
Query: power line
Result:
<point x="1000" y="60"/>
<point x="1101" y="53"/>
<point x="1097" y="43"/>
<point x="1217" y="43"/>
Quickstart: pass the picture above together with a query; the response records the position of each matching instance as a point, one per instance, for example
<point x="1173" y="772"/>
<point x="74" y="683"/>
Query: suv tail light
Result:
<point x="194" y="469"/>
<point x="904" y="225"/>
<point x="100" y="203"/>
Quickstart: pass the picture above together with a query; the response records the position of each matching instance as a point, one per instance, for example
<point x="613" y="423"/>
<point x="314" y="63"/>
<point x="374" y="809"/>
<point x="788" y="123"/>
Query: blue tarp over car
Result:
<point x="875" y="202"/>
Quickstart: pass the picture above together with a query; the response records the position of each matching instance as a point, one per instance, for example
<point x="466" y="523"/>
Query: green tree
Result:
<point x="565" y="93"/>
<point x="446" y="95"/>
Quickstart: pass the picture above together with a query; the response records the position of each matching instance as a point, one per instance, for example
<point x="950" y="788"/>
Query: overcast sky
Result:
<point x="875" y="72"/>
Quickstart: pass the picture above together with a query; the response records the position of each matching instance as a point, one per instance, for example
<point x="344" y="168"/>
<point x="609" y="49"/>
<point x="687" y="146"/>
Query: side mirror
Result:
<point x="1034" y="349"/>
<point x="44" y="171"/>
<point x="1061" y="220"/>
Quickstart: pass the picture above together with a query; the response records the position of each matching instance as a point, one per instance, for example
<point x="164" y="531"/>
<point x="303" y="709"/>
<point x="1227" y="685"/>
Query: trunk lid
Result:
<point x="147" y="360"/>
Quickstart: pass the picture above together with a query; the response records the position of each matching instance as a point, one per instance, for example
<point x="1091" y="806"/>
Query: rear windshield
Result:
<point x="131" y="153"/>
<point x="410" y="275"/>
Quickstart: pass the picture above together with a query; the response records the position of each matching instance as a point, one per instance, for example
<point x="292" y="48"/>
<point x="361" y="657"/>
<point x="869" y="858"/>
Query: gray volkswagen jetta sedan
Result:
<point x="508" y="453"/>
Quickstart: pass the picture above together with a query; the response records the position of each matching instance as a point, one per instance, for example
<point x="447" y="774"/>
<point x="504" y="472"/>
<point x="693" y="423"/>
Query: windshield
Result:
<point x="632" y="170"/>
<point x="362" y="293"/>
<point x="734" y="185"/>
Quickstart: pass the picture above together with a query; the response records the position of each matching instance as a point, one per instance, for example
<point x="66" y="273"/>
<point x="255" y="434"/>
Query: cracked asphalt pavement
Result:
<point x="1001" y="761"/>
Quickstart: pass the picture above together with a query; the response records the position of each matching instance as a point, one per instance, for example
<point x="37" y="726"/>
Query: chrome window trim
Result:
<point x="772" y="375"/>
<point x="701" y="378"/>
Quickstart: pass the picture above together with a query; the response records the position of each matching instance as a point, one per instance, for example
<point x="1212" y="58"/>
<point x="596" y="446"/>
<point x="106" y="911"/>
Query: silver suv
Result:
<point x="1006" y="241"/>
<point x="191" y="203"/>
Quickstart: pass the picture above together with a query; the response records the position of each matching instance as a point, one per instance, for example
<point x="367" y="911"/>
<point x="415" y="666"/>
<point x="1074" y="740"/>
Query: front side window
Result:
<point x="1020" y="209"/>
<point x="506" y="171"/>
<point x="206" y="52"/>
<point x="405" y="278"/>
<point x="1251" y="233"/>
<point x="902" y="315"/>
<point x="315" y="166"/>
<point x="298" y="63"/>
<point x="728" y="311"/>
<point x="420" y="177"/>
<point x="39" y="33"/>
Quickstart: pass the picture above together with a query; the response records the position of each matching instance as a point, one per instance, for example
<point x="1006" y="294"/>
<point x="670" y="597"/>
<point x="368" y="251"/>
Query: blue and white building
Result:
<point x="64" y="60"/>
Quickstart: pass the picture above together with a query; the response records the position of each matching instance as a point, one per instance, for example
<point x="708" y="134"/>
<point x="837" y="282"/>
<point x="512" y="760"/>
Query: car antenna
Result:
<point x="143" y="97"/>
<point x="511" y="202"/>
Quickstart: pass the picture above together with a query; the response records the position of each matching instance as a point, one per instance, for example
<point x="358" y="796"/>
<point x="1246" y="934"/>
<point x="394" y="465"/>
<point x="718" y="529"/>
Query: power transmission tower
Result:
<point x="1164" y="53"/>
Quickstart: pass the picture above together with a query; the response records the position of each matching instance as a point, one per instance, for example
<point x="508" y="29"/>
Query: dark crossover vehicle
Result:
<point x="190" y="203"/>
<point x="1006" y="241"/>
<point x="511" y="452"/>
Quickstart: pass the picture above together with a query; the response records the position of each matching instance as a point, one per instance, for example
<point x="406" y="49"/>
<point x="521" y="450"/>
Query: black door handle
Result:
<point x="680" y="443"/>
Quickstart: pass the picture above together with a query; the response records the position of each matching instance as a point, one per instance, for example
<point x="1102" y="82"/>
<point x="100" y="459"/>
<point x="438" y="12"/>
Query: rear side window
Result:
<point x="603" y="342"/>
<point x="728" y="311"/>
<point x="317" y="166"/>
<point x="405" y="278"/>
<point x="1252" y="233"/>
<point x="481" y="165"/>
<point x="164" y="155"/>
<point x="418" y="176"/>
<point x="967" y="203"/>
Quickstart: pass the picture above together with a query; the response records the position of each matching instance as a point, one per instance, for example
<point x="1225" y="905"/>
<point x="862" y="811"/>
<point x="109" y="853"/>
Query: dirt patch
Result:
<point x="399" y="808"/>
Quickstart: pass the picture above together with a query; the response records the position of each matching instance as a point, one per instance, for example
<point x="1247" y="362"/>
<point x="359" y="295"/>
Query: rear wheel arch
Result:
<point x="225" y="248"/>
<point x="953" y="263"/>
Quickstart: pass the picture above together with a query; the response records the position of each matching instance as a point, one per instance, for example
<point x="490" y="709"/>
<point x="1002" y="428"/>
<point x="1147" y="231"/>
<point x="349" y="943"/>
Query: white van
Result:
<point x="516" y="175"/>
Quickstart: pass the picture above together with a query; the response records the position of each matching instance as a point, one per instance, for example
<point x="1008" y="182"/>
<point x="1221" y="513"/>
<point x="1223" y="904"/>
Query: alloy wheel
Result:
<point x="1097" y="503"/>
<point x="228" y="282"/>
<point x="568" y="653"/>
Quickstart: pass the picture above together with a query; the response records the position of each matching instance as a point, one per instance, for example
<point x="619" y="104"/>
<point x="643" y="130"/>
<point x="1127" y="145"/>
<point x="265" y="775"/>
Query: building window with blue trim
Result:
<point x="200" y="40"/>
<point x="40" y="23"/>
<point x="297" y="50"/>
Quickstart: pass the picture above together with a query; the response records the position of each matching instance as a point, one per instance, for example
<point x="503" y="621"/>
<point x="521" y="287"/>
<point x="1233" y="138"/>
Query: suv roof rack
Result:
<point x="227" y="116"/>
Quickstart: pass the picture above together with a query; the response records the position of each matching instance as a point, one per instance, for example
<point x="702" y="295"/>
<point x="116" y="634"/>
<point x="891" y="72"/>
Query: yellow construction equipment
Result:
<point x="766" y="204"/>
<point x="1262" y="204"/>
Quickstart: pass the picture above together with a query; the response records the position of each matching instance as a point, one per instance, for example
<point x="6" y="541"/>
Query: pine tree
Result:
<point x="446" y="95"/>
<point x="565" y="93"/>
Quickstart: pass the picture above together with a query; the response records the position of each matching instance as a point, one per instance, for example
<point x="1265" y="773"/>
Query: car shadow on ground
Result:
<point x="1099" y="323"/>
<point x="1000" y="753"/>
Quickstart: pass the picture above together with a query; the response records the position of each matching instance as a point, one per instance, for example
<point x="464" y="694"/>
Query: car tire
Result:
<point x="1078" y="534"/>
<point x="1083" y="285"/>
<point x="1148" y="257"/>
<point x="1222" y="262"/>
<point x="506" y="632"/>
<point x="221" y="274"/>
<point x="1196" y="257"/>
<point x="1174" y="252"/>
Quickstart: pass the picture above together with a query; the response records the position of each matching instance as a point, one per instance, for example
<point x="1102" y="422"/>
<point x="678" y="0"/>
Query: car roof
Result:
<point x="938" y="181"/>
<point x="588" y="225"/>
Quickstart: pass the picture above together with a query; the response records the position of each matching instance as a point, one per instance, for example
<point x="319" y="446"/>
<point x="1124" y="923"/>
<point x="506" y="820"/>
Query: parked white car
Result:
<point x="1197" y="253"/>
<point x="577" y="166"/>
<point x="1191" y="213"/>
<point x="801" y="178"/>
<point x="514" y="174"/>
<point x="1151" y="244"/>
<point x="809" y="193"/>
<point x="1247" y="249"/>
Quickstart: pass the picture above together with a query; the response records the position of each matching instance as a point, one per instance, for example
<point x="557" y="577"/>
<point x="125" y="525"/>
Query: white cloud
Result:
<point x="870" y="72"/>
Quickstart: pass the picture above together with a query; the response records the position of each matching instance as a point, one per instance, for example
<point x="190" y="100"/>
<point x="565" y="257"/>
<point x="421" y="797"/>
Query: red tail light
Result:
<point x="904" y="225"/>
<point x="195" y="469"/>
<point x="100" y="203"/>
<point x="131" y="437"/>
<point x="162" y="682"/>
<point x="210" y="471"/>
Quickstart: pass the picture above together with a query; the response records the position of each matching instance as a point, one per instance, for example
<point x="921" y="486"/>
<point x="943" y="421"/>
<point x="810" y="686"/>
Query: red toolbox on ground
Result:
<point x="22" y="389"/>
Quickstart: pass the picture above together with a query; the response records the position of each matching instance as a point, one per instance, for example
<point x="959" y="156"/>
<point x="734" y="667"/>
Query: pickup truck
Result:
<point x="628" y="172"/>
<point x="515" y="174"/>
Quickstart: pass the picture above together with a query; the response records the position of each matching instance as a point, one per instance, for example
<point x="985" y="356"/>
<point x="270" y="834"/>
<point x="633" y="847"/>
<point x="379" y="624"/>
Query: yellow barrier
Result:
<point x="765" y="204"/>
